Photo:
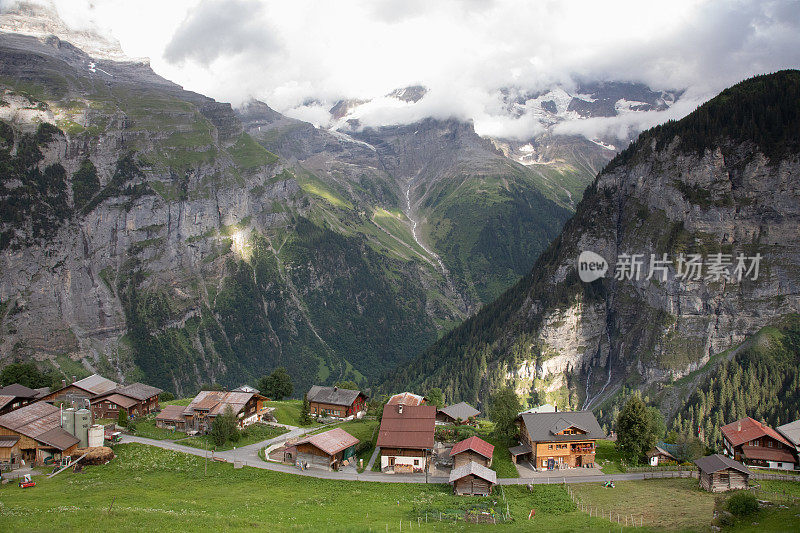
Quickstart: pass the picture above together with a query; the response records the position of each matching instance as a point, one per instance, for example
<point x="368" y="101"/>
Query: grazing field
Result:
<point x="250" y="435"/>
<point x="501" y="459"/>
<point x="157" y="490"/>
<point x="665" y="504"/>
<point x="288" y="412"/>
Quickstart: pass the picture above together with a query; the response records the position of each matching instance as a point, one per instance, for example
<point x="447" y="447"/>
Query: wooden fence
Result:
<point x="671" y="474"/>
<point x="775" y="477"/>
<point x="666" y="468"/>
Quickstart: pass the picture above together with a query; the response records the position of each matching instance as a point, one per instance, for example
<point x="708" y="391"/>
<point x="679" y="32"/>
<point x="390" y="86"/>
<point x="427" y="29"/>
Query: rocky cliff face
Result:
<point x="717" y="182"/>
<point x="147" y="233"/>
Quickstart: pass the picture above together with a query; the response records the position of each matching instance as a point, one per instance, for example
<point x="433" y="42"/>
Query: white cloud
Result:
<point x="289" y="52"/>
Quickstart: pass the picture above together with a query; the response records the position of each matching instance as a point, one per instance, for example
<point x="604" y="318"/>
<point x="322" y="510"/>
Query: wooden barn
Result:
<point x="472" y="479"/>
<point x="328" y="450"/>
<point x="79" y="392"/>
<point x="473" y="449"/>
<point x="33" y="434"/>
<point x="171" y="416"/>
<point x="659" y="455"/>
<point x="719" y="473"/>
<point x="136" y="399"/>
<point x="15" y="396"/>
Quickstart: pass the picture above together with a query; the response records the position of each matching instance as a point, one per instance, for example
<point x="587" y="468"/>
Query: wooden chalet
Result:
<point x="756" y="444"/>
<point x="407" y="398"/>
<point x="719" y="473"/>
<point x="406" y="437"/>
<point x="199" y="415"/>
<point x="15" y="396"/>
<point x="473" y="449"/>
<point x="459" y="413"/>
<point x="136" y="399"/>
<point x="33" y="434"/>
<point x="328" y="450"/>
<point x="336" y="402"/>
<point x="472" y="479"/>
<point x="81" y="391"/>
<point x="562" y="439"/>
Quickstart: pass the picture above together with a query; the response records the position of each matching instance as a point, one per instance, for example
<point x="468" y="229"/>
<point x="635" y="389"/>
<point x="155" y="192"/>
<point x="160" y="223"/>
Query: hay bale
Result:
<point x="99" y="455"/>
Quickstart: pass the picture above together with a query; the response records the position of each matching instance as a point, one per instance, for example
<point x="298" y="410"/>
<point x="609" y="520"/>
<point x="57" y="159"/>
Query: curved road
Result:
<point x="248" y="456"/>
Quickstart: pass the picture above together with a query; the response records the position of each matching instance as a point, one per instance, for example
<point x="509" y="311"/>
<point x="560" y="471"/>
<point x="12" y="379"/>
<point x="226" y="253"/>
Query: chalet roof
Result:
<point x="331" y="442"/>
<point x="475" y="444"/>
<point x="139" y="391"/>
<point x="20" y="391"/>
<point x="119" y="399"/>
<point x="543" y="427"/>
<point x="461" y="411"/>
<point x="96" y="384"/>
<point x="41" y="392"/>
<point x="475" y="469"/>
<point x="171" y="413"/>
<point x="332" y="395"/>
<point x="407" y="426"/>
<point x="406" y="398"/>
<point x="8" y="441"/>
<point x="791" y="431"/>
<point x="215" y="402"/>
<point x="39" y="421"/>
<point x="6" y="399"/>
<point x="717" y="462"/>
<point x="768" y="454"/>
<point x="747" y="429"/>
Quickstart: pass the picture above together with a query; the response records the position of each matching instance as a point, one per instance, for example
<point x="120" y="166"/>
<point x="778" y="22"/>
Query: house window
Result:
<point x="549" y="446"/>
<point x="769" y="443"/>
<point x="416" y="462"/>
<point x="544" y="463"/>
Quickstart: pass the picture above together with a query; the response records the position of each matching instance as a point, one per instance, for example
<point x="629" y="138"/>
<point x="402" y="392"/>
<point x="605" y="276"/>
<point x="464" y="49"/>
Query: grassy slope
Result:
<point x="288" y="412"/>
<point x="158" y="490"/>
<point x="608" y="457"/>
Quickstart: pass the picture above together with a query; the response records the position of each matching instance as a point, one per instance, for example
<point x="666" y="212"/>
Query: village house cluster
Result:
<point x="39" y="426"/>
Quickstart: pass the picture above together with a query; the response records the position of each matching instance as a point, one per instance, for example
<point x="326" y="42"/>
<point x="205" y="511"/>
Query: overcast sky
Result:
<point x="288" y="53"/>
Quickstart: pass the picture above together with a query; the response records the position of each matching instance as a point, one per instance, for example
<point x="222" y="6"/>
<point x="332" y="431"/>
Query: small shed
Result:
<point x="456" y="413"/>
<point x="171" y="416"/>
<point x="719" y="473"/>
<point x="659" y="455"/>
<point x="472" y="449"/>
<point x="472" y="479"/>
<point x="329" y="449"/>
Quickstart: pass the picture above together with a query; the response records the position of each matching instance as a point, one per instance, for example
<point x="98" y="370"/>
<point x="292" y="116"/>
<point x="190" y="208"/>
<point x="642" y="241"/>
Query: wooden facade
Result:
<point x="553" y="454"/>
<point x="558" y="439"/>
<point x="472" y="485"/>
<point x="337" y="411"/>
<point x="108" y="406"/>
<point x="723" y="480"/>
<point x="32" y="451"/>
<point x="469" y="456"/>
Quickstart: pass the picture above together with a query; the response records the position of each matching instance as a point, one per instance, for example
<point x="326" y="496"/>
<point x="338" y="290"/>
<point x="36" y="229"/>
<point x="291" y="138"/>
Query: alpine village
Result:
<point x="574" y="308"/>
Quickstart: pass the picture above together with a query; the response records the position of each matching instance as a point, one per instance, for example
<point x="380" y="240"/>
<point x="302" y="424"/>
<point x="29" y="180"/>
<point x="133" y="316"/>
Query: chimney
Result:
<point x="335" y="388"/>
<point x="63" y="382"/>
<point x="74" y="379"/>
<point x="556" y="406"/>
<point x="400" y="409"/>
<point x="739" y="426"/>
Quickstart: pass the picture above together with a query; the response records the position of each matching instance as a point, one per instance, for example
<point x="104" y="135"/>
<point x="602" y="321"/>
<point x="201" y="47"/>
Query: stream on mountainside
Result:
<point x="413" y="220"/>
